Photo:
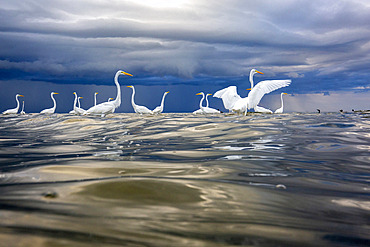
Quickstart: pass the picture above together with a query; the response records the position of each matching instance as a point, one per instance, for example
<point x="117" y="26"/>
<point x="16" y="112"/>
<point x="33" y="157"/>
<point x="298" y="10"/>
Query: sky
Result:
<point x="185" y="47"/>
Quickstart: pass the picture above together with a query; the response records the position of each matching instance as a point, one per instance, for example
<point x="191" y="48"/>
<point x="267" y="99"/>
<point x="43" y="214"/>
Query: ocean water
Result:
<point x="185" y="180"/>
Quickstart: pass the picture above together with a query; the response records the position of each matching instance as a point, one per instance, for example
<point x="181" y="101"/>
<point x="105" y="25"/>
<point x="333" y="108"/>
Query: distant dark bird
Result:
<point x="318" y="110"/>
<point x="341" y="110"/>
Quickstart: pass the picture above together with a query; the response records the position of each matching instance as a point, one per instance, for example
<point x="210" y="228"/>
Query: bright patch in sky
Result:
<point x="163" y="3"/>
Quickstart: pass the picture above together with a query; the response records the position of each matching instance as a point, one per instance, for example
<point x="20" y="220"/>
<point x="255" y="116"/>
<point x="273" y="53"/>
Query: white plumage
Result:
<point x="138" y="108"/>
<point x="108" y="107"/>
<point x="14" y="110"/>
<point x="281" y="109"/>
<point x="159" y="109"/>
<point x="206" y="109"/>
<point x="50" y="110"/>
<point x="233" y="102"/>
<point x="200" y="111"/>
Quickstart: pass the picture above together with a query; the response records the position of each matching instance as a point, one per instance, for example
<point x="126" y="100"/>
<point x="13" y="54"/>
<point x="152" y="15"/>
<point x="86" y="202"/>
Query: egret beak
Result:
<point x="248" y="89"/>
<point x="125" y="73"/>
<point x="81" y="97"/>
<point x="21" y="95"/>
<point x="96" y="93"/>
<point x="198" y="93"/>
<point x="285" y="93"/>
<point x="56" y="93"/>
<point x="209" y="94"/>
<point x="129" y="86"/>
<point x="259" y="72"/>
<point x="167" y="91"/>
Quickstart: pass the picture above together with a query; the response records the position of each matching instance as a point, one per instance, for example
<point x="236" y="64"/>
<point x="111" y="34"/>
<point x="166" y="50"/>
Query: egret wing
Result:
<point x="265" y="87"/>
<point x="229" y="96"/>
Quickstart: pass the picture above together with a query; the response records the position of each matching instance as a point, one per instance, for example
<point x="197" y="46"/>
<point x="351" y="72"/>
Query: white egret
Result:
<point x="230" y="96"/>
<point x="108" y="107"/>
<point x="233" y="102"/>
<point x="50" y="110"/>
<point x="78" y="101"/>
<point x="159" y="109"/>
<point x="95" y="98"/>
<point x="23" y="112"/>
<point x="74" y="104"/>
<point x="14" y="110"/>
<point x="138" y="108"/>
<point x="77" y="109"/>
<point x="206" y="109"/>
<point x="281" y="109"/>
<point x="199" y="111"/>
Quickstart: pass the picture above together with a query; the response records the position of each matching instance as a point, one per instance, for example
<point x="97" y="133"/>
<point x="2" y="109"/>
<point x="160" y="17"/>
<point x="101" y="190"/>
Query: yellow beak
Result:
<point x="259" y="72"/>
<point x="129" y="86"/>
<point x="123" y="72"/>
<point x="21" y="95"/>
<point x="248" y="89"/>
<point x="198" y="93"/>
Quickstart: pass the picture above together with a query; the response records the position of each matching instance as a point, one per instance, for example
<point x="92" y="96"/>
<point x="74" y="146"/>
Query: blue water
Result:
<point x="185" y="180"/>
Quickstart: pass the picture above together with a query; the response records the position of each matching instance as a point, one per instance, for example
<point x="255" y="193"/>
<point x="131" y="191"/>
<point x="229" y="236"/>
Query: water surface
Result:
<point x="185" y="180"/>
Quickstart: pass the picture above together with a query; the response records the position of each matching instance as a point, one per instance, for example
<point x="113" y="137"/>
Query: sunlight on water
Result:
<point x="185" y="180"/>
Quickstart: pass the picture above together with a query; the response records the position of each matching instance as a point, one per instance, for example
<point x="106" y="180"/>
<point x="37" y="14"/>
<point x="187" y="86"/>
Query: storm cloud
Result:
<point x="320" y="45"/>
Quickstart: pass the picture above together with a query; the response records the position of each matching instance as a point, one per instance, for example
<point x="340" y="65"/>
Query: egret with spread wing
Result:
<point x="233" y="102"/>
<point x="14" y="110"/>
<point x="108" y="107"/>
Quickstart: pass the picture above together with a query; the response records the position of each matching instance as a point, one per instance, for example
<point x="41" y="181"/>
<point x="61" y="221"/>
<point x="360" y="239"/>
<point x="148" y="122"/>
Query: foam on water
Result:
<point x="185" y="180"/>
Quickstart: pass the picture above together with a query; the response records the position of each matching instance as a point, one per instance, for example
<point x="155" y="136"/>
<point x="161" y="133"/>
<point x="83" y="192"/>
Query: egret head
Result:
<point x="20" y="95"/>
<point x="123" y="72"/>
<point x="254" y="71"/>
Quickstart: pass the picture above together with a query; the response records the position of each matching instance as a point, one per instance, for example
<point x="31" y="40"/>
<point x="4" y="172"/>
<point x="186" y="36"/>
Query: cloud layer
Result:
<point x="321" y="45"/>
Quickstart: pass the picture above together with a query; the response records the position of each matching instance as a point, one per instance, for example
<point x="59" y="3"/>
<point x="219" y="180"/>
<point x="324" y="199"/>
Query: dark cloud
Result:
<point x="321" y="45"/>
